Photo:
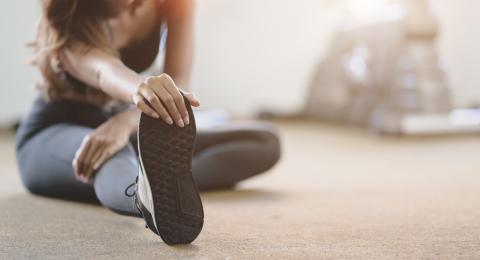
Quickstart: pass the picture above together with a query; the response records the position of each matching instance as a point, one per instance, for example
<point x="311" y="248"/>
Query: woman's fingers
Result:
<point x="102" y="158"/>
<point x="180" y="103"/>
<point x="160" y="97"/>
<point x="139" y="101"/>
<point x="80" y="156"/>
<point x="169" y="103"/>
<point x="79" y="163"/>
<point x="87" y="155"/>
<point x="98" y="149"/>
<point x="98" y="145"/>
<point x="154" y="101"/>
<point x="177" y="98"/>
<point x="191" y="98"/>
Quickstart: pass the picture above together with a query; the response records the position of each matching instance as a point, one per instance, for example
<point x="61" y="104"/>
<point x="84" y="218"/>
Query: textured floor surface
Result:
<point x="338" y="193"/>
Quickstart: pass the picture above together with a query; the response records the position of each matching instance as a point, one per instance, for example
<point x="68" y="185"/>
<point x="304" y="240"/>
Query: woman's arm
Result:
<point x="156" y="96"/>
<point x="103" y="142"/>
<point x="179" y="56"/>
<point x="101" y="70"/>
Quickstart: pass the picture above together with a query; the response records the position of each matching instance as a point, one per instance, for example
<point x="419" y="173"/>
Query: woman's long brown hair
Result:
<point x="64" y="23"/>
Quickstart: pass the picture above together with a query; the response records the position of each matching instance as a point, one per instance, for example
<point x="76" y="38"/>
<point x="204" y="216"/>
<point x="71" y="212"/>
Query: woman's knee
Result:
<point x="269" y="141"/>
<point x="114" y="176"/>
<point x="28" y="176"/>
<point x="32" y="185"/>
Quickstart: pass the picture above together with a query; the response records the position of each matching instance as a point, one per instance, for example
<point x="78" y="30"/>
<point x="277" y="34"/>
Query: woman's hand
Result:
<point x="102" y="143"/>
<point x="159" y="97"/>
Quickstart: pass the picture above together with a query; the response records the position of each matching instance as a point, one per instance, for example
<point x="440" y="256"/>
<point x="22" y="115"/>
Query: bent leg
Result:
<point x="229" y="154"/>
<point x="45" y="164"/>
<point x="113" y="182"/>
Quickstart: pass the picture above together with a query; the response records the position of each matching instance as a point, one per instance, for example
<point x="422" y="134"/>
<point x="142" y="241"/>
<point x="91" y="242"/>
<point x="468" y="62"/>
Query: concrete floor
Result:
<point x="338" y="193"/>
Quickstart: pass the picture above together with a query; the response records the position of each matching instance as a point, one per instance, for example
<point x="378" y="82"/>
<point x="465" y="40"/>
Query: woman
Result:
<point x="75" y="142"/>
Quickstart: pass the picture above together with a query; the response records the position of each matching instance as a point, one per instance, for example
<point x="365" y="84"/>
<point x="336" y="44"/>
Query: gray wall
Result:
<point x="17" y="22"/>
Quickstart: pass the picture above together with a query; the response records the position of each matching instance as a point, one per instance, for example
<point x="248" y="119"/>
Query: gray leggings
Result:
<point x="223" y="156"/>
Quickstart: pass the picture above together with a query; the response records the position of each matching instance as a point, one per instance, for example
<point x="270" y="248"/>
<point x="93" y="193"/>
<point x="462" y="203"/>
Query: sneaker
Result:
<point x="166" y="193"/>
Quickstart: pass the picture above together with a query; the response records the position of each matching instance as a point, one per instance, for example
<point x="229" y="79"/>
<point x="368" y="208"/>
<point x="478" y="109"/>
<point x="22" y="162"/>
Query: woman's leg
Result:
<point x="232" y="153"/>
<point x="45" y="164"/>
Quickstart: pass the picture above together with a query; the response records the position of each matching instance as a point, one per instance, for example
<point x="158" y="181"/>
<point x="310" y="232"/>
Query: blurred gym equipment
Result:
<point x="382" y="71"/>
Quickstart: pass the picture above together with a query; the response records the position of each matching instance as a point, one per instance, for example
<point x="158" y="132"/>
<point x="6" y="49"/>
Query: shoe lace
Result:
<point x="131" y="194"/>
<point x="136" y="202"/>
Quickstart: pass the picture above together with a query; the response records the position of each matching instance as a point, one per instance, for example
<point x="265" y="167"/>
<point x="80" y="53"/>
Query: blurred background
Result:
<point x="376" y="102"/>
<point x="266" y="54"/>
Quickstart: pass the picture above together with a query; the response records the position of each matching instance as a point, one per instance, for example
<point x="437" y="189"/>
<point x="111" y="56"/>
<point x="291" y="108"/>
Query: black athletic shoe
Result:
<point x="166" y="193"/>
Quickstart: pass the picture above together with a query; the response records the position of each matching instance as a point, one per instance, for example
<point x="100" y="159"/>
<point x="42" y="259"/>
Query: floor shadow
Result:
<point x="187" y="247"/>
<point x="22" y="204"/>
<point x="230" y="195"/>
<point x="20" y="198"/>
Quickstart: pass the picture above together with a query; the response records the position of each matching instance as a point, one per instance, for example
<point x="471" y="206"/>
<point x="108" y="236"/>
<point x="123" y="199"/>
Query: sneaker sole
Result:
<point x="166" y="155"/>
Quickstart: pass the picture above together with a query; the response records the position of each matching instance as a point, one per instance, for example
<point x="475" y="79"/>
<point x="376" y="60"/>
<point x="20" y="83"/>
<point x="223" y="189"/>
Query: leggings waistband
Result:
<point x="47" y="113"/>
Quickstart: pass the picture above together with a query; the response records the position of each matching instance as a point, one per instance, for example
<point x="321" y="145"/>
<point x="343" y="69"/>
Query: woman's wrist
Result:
<point x="181" y="82"/>
<point x="134" y="90"/>
<point x="128" y="119"/>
